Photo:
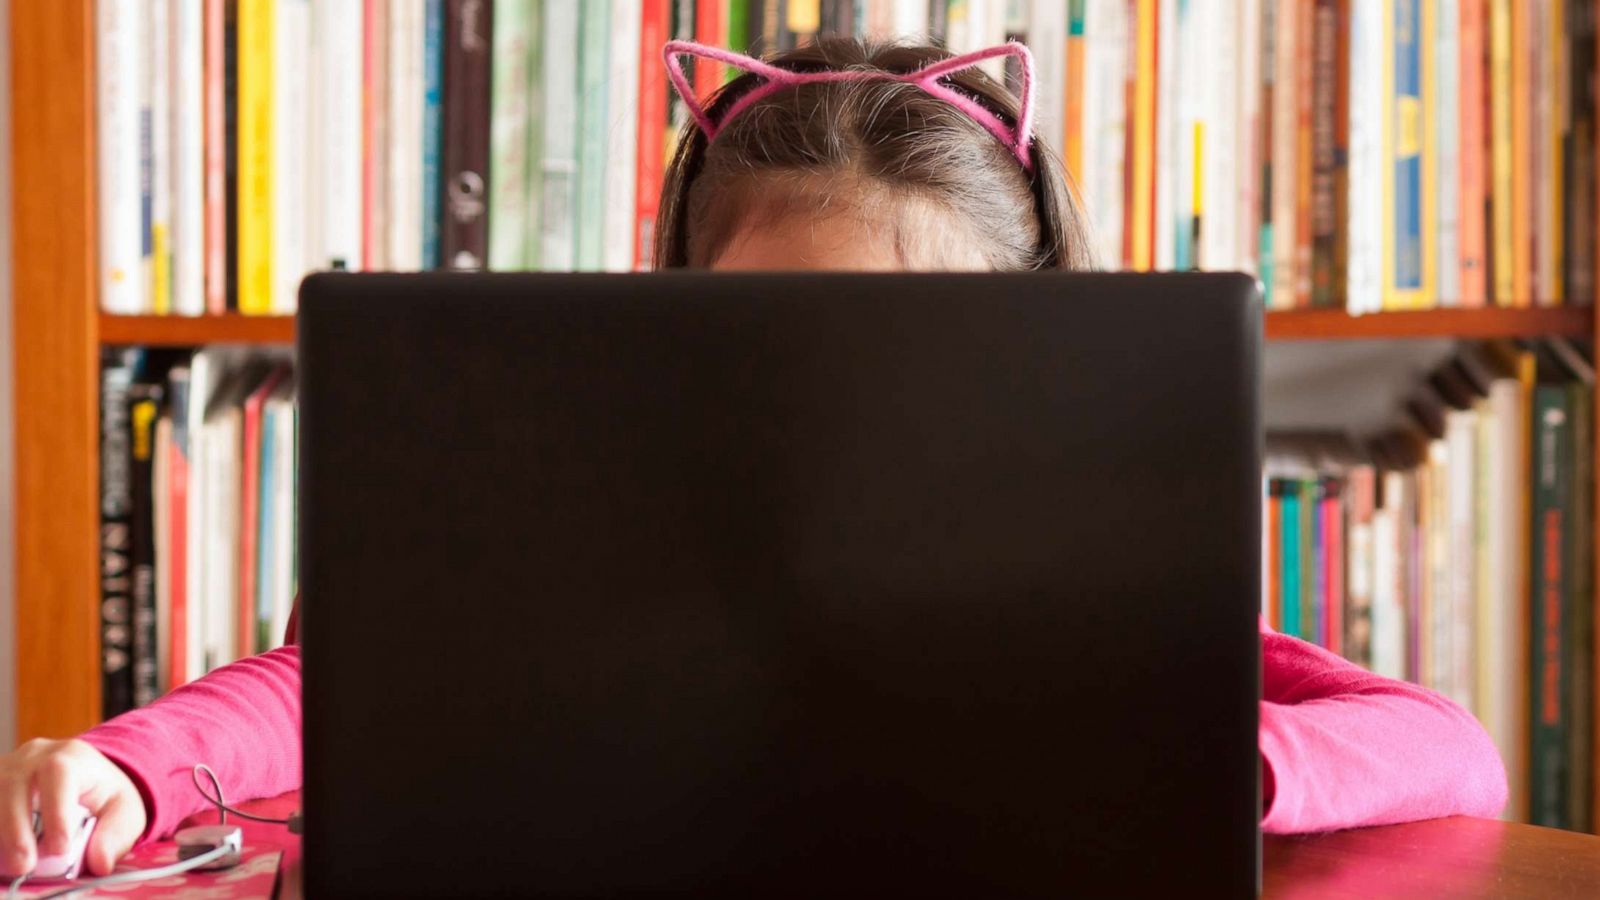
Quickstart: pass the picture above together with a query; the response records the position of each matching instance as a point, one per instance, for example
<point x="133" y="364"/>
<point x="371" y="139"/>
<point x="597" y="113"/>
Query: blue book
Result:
<point x="432" y="129"/>
<point x="1289" y="598"/>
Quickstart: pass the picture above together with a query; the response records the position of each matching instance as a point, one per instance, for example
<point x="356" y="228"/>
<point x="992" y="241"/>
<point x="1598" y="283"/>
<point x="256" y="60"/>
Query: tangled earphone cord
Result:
<point x="222" y="806"/>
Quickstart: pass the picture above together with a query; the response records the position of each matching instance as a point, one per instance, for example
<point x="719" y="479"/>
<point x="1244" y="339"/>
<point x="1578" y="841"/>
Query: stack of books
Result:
<point x="197" y="514"/>
<point x="1456" y="551"/>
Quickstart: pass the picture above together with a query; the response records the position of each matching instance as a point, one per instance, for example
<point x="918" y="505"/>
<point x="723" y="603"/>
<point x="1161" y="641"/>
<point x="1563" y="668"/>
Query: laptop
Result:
<point x="780" y="584"/>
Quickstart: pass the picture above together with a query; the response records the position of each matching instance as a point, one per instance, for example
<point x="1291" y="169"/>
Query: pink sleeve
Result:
<point x="1342" y="747"/>
<point x="242" y="720"/>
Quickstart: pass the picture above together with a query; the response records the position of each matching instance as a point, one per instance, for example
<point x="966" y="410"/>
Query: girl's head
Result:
<point x="865" y="173"/>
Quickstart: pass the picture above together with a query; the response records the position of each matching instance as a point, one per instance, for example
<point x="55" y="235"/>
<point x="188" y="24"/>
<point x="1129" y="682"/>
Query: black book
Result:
<point x="117" y="371"/>
<point x="464" y="234"/>
<point x="144" y="408"/>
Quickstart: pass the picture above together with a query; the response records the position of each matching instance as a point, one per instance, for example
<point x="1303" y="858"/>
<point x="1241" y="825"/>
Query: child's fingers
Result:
<point x="57" y="788"/>
<point x="16" y="824"/>
<point x="119" y="826"/>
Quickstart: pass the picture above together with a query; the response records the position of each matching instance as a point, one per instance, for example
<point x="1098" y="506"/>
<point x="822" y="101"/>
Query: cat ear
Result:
<point x="1018" y="138"/>
<point x="672" y="54"/>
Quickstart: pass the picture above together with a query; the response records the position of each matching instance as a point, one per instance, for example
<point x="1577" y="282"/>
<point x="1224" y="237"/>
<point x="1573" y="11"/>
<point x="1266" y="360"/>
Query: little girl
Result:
<point x="834" y="156"/>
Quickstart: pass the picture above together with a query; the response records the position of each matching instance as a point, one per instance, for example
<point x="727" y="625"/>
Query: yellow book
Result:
<point x="1143" y="121"/>
<point x="161" y="269"/>
<point x="1502" y="291"/>
<point x="254" y="28"/>
<point x="1522" y="186"/>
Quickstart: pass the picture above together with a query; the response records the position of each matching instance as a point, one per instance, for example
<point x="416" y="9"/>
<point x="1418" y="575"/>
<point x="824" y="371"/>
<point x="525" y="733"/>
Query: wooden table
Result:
<point x="1444" y="858"/>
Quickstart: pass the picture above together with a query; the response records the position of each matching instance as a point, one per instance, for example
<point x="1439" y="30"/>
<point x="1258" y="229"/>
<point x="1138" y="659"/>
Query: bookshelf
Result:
<point x="59" y="332"/>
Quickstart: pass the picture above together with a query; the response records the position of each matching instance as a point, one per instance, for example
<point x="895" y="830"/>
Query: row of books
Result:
<point x="197" y="514"/>
<point x="1456" y="551"/>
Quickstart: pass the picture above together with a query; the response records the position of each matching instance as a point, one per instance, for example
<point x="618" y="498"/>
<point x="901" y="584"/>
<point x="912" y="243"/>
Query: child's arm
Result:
<point x="1342" y="747"/>
<point x="242" y="720"/>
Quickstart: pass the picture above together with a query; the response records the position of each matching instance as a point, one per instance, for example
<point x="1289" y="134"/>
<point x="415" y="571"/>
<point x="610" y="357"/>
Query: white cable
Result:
<point x="130" y="877"/>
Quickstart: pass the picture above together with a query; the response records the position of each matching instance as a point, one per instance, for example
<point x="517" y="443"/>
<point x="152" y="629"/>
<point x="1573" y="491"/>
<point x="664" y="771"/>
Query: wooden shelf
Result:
<point x="1336" y="324"/>
<point x="183" y="331"/>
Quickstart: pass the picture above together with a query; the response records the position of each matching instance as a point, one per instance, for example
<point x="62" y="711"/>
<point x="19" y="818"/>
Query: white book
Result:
<point x="1047" y="38"/>
<point x="118" y="57"/>
<point x="207" y="368"/>
<point x="281" y="409"/>
<point x="1247" y="136"/>
<point x="1284" y="154"/>
<point x="1168" y="149"/>
<point x="560" y="158"/>
<point x="1221" y="189"/>
<point x="910" y="20"/>
<point x="510" y="117"/>
<point x="290" y="173"/>
<point x="622" y="139"/>
<point x="158" y="29"/>
<point x="1447" y="149"/>
<point x="1461" y="436"/>
<point x="1106" y="41"/>
<point x="405" y="97"/>
<point x="188" y="159"/>
<point x="1368" y="39"/>
<point x="1503" y="624"/>
<point x="1388" y="612"/>
<point x="1438" y="602"/>
<point x="338" y="177"/>
<point x="160" y="495"/>
<point x="221" y="441"/>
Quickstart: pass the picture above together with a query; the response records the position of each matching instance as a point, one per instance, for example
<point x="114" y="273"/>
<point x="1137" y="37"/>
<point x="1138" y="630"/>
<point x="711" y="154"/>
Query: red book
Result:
<point x="178" y="567"/>
<point x="652" y="130"/>
<point x="214" y="47"/>
<point x="250" y="513"/>
<point x="709" y="30"/>
<point x="1332" y="567"/>
<point x="373" y="76"/>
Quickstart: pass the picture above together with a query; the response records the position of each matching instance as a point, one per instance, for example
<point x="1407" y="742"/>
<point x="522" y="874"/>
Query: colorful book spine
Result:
<point x="1304" y="95"/>
<point x="374" y="133"/>
<point x="256" y="23"/>
<point x="1552" y="494"/>
<point x="144" y="406"/>
<point x="464" y="237"/>
<point x="1360" y="579"/>
<point x="405" y="97"/>
<point x="117" y="128"/>
<point x="116" y="501"/>
<point x="1474" y="155"/>
<point x="1290" y="519"/>
<point x="652" y="132"/>
<point x="1580" y="250"/>
<point x="710" y="28"/>
<point x="1169" y="154"/>
<point x="593" y="70"/>
<point x="290" y="166"/>
<point x="515" y="31"/>
<point x="1266" y="140"/>
<point x="1285" y="158"/>
<point x="1139" y="214"/>
<point x="189" y="170"/>
<point x="1325" y="219"/>
<point x="1523" y="50"/>
<point x="1074" y="80"/>
<point x="432" y="130"/>
<point x="1407" y="213"/>
<point x="560" y="156"/>
<point x="250" y="531"/>
<point x="618" y="222"/>
<point x="1368" y="52"/>
<point x="1501" y="125"/>
<point x="1311" y="551"/>
<point x="1548" y="228"/>
<point x="218" y="156"/>
<point x="1579" y="644"/>
<point x="1332" y="531"/>
<point x="158" y="106"/>
<point x="342" y="124"/>
<point x="178" y="468"/>
<point x="1446" y="110"/>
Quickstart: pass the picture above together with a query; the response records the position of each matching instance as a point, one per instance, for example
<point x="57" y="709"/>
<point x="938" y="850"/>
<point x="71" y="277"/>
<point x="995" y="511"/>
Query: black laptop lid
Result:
<point x="780" y="584"/>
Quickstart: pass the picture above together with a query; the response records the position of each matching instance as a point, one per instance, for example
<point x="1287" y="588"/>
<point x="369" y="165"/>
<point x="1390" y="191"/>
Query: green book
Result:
<point x="1289" y="526"/>
<point x="514" y="34"/>
<point x="1579" y="646"/>
<point x="738" y="33"/>
<point x="1551" y="459"/>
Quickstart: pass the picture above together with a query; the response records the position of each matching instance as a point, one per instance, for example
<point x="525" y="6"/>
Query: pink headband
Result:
<point x="1017" y="139"/>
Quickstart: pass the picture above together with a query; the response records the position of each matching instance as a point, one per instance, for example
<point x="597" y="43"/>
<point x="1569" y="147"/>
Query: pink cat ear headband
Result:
<point x="1016" y="139"/>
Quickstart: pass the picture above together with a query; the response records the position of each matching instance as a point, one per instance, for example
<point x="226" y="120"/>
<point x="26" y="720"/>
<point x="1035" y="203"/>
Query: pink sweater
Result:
<point x="1340" y="747"/>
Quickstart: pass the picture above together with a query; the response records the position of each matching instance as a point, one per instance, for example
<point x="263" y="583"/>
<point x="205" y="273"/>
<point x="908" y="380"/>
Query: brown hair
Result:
<point x="841" y="144"/>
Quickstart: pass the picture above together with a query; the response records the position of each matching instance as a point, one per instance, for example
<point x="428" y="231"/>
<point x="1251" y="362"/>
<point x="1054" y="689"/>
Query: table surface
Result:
<point x="1458" y="857"/>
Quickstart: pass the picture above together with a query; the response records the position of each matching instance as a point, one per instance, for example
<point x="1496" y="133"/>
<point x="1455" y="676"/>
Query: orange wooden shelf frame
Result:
<point x="1336" y="324"/>
<point x="186" y="331"/>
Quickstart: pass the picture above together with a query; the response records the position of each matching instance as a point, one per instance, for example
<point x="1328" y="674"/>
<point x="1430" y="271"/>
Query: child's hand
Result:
<point x="61" y="775"/>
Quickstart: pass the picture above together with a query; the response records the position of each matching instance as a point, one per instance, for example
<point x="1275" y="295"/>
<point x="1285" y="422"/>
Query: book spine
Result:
<point x="117" y="65"/>
<point x="560" y="157"/>
<point x="190" y="170"/>
<point x="1551" y="491"/>
<point x="938" y="23"/>
<point x="593" y="67"/>
<point x="1333" y="566"/>
<point x="1266" y="141"/>
<point x="290" y="167"/>
<point x="374" y="131"/>
<point x="1521" y="56"/>
<point x="1285" y="158"/>
<point x="1304" y="101"/>
<point x="1579" y="644"/>
<point x="218" y="157"/>
<point x="653" y="125"/>
<point x="1581" y="218"/>
<point x="144" y="405"/>
<point x="709" y="29"/>
<point x="177" y="637"/>
<point x="432" y="130"/>
<point x="405" y="97"/>
<point x="116" y="545"/>
<point x="255" y="41"/>
<point x="1364" y="228"/>
<point x="1047" y="36"/>
<point x="1552" y="186"/>
<point x="1246" y="136"/>
<point x="1405" y="249"/>
<point x="1140" y="212"/>
<point x="1169" y="153"/>
<point x="1104" y="124"/>
<point x="468" y="31"/>
<point x="738" y="32"/>
<point x="619" y="224"/>
<point x="1360" y="564"/>
<point x="1473" y="159"/>
<point x="1292" y="543"/>
<point x="1462" y="428"/>
<point x="1501" y="207"/>
<point x="1272" y="554"/>
<point x="1437" y="607"/>
<point x="1446" y="108"/>
<point x="158" y="106"/>
<point x="1311" y="552"/>
<point x="1388" y="572"/>
<point x="1340" y="249"/>
<point x="340" y="178"/>
<point x="1324" y="150"/>
<point x="514" y="32"/>
<point x="1073" y="78"/>
<point x="263" y="573"/>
